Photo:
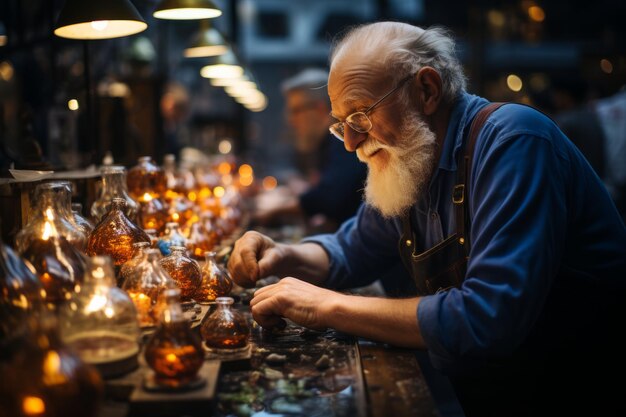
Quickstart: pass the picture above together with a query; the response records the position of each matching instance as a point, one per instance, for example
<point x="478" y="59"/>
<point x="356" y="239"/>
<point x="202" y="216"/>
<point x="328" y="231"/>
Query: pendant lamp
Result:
<point x="98" y="19"/>
<point x="186" y="10"/>
<point x="223" y="66"/>
<point x="208" y="42"/>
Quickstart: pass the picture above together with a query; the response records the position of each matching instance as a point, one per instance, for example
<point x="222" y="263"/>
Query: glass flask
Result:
<point x="100" y="321"/>
<point x="51" y="208"/>
<point x="83" y="224"/>
<point x="171" y="237"/>
<point x="130" y="266"/>
<point x="113" y="186"/>
<point x="115" y="235"/>
<point x="225" y="330"/>
<point x="146" y="177"/>
<point x="145" y="285"/>
<point x="174" y="352"/>
<point x="21" y="293"/>
<point x="152" y="212"/>
<point x="47" y="378"/>
<point x="200" y="240"/>
<point x="215" y="281"/>
<point x="184" y="270"/>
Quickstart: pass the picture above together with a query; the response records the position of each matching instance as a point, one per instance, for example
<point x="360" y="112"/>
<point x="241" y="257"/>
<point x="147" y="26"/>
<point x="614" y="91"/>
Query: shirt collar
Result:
<point x="463" y="111"/>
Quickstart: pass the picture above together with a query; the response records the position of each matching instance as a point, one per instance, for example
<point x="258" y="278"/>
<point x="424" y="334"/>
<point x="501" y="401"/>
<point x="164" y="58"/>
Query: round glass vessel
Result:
<point x="83" y="224"/>
<point x="129" y="267"/>
<point x="47" y="378"/>
<point x="200" y="240"/>
<point x="171" y="237"/>
<point x="174" y="352"/>
<point x="225" y="330"/>
<point x="184" y="270"/>
<point x="115" y="235"/>
<point x="113" y="186"/>
<point x="152" y="212"/>
<point x="145" y="285"/>
<point x="146" y="177"/>
<point x="215" y="281"/>
<point x="100" y="321"/>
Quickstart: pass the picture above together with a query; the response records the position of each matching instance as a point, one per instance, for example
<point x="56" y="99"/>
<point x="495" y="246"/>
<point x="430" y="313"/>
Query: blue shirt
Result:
<point x="537" y="210"/>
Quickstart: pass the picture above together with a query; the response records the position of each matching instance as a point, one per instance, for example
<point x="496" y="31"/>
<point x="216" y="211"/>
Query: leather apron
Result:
<point x="444" y="265"/>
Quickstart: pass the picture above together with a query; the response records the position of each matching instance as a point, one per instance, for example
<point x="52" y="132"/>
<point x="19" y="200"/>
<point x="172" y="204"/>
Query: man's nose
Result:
<point x="352" y="139"/>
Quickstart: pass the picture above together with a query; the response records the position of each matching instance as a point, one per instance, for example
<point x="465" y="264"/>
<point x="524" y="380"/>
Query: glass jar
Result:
<point x="174" y="352"/>
<point x="146" y="177"/>
<point x="115" y="235"/>
<point x="199" y="241"/>
<point x="100" y="321"/>
<point x="83" y="224"/>
<point x="152" y="212"/>
<point x="21" y="293"/>
<point x="225" y="330"/>
<point x="184" y="270"/>
<point x="215" y="281"/>
<point x="145" y="285"/>
<point x="171" y="237"/>
<point x="51" y="209"/>
<point x="113" y="186"/>
<point x="47" y="378"/>
<point x="129" y="267"/>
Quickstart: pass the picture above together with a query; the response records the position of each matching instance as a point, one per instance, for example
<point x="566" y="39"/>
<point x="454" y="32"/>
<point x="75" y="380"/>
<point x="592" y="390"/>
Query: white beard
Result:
<point x="394" y="188"/>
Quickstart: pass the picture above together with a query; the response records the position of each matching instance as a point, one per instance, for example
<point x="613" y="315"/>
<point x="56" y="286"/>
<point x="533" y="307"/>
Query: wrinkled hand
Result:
<point x="254" y="256"/>
<point x="303" y="303"/>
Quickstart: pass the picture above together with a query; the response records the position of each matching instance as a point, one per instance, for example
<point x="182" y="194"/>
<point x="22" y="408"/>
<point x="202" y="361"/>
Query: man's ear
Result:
<point x="429" y="90"/>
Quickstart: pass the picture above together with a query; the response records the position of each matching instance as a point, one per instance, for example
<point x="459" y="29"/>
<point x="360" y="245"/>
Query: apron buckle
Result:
<point x="458" y="194"/>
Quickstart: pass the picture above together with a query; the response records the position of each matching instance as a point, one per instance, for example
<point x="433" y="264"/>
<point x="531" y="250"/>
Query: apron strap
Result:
<point x="460" y="192"/>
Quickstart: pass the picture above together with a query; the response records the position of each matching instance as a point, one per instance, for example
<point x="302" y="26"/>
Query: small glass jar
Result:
<point x="174" y="352"/>
<point x="199" y="241"/>
<point x="83" y="224"/>
<point x="100" y="321"/>
<point x="129" y="267"/>
<point x="145" y="285"/>
<point x="184" y="270"/>
<point x="115" y="235"/>
<point x="46" y="378"/>
<point x="171" y="237"/>
<point x="146" y="177"/>
<point x="215" y="281"/>
<point x="225" y="330"/>
<point x="113" y="186"/>
<point x="152" y="212"/>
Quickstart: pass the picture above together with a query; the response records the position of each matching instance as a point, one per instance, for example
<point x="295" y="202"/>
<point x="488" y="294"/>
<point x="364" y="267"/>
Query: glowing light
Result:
<point x="219" y="191"/>
<point x="536" y="13"/>
<point x="224" y="168"/>
<point x="6" y="70"/>
<point x="246" y="181"/>
<point x="52" y="369"/>
<point x="514" y="82"/>
<point x="269" y="183"/>
<point x="73" y="104"/>
<point x="96" y="303"/>
<point x="245" y="170"/>
<point x="47" y="231"/>
<point x="606" y="66"/>
<point x="147" y="197"/>
<point x="100" y="25"/>
<point x="108" y="312"/>
<point x="225" y="147"/>
<point x="170" y="357"/>
<point x="221" y="71"/>
<point x="33" y="406"/>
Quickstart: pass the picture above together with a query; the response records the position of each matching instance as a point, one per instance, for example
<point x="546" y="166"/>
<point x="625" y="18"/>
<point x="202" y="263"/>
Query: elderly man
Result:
<point x="516" y="249"/>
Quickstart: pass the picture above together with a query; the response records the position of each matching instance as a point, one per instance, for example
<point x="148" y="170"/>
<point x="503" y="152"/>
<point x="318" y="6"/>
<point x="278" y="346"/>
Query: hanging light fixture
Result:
<point x="98" y="19"/>
<point x="3" y="34"/>
<point x="208" y="42"/>
<point x="186" y="10"/>
<point x="223" y="66"/>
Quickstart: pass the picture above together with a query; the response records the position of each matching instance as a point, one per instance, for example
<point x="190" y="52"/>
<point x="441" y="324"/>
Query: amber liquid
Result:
<point x="186" y="273"/>
<point x="152" y="214"/>
<point x="231" y="341"/>
<point x="174" y="353"/>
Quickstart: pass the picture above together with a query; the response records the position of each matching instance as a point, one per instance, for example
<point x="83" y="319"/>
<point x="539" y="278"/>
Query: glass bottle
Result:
<point x="225" y="330"/>
<point x="115" y="235"/>
<point x="171" y="237"/>
<point x="152" y="212"/>
<point x="21" y="293"/>
<point x="83" y="224"/>
<point x="146" y="177"/>
<point x="145" y="285"/>
<point x="47" y="378"/>
<point x="172" y="180"/>
<point x="174" y="352"/>
<point x="184" y="270"/>
<point x="113" y="186"/>
<point x="215" y="281"/>
<point x="49" y="209"/>
<point x="129" y="266"/>
<point x="100" y="321"/>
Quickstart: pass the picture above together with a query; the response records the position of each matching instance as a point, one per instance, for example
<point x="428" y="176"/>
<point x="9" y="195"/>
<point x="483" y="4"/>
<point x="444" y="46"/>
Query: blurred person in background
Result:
<point x="330" y="190"/>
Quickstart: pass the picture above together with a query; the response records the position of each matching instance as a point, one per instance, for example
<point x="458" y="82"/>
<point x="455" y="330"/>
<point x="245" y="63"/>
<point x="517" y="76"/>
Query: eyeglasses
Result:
<point x="358" y="121"/>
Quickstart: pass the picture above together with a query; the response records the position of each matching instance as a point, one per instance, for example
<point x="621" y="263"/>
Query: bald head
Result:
<point x="399" y="49"/>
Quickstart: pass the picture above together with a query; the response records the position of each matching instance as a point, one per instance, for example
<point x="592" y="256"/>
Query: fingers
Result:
<point x="243" y="263"/>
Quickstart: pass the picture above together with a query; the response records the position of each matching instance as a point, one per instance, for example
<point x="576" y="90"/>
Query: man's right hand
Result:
<point x="254" y="256"/>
